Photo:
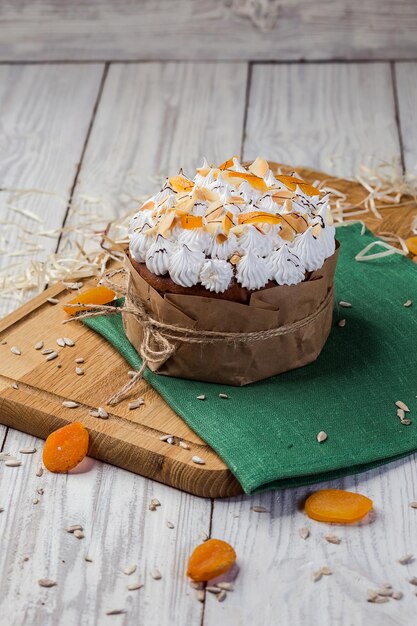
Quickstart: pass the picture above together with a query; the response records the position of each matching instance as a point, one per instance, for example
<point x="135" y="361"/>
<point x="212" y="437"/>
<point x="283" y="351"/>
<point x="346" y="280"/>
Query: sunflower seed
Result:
<point x="3" y="342"/>
<point x="79" y="371"/>
<point x="344" y="304"/>
<point x="221" y="596"/>
<point x="203" y="535"/>
<point x="14" y="386"/>
<point x="88" y="559"/>
<point x="155" y="502"/>
<point x="406" y="559"/>
<point x="46" y="582"/>
<point x="170" y="525"/>
<point x="93" y="413"/>
<point x="341" y="323"/>
<point x="73" y="528"/>
<point x="116" y="612"/>
<point x="15" y="350"/>
<point x="51" y="356"/>
<point x="321" y="436"/>
<point x="52" y="300"/>
<point x="385" y="592"/>
<point x="196" y="585"/>
<point x="378" y="599"/>
<point x="259" y="509"/>
<point x="40" y="491"/>
<point x="333" y="539"/>
<point x="223" y="396"/>
<point x="70" y="404"/>
<point x="79" y="534"/>
<point x="27" y="450"/>
<point x="184" y="445"/>
<point x="69" y="342"/>
<point x="397" y="595"/>
<point x="39" y="345"/>
<point x="226" y="586"/>
<point x="213" y="589"/>
<point x="413" y="505"/>
<point x="79" y="359"/>
<point x="401" y="413"/>
<point x="304" y="532"/>
<point x="200" y="595"/>
<point x="12" y="463"/>
<point x="165" y="437"/>
<point x="408" y="303"/>
<point x="39" y="472"/>
<point x="315" y="576"/>
<point x="61" y="342"/>
<point x="130" y="569"/>
<point x="134" y="586"/>
<point x="406" y="422"/>
<point x="202" y="397"/>
<point x="413" y="580"/>
<point x="1" y="509"/>
<point x="198" y="460"/>
<point x="47" y="351"/>
<point x="156" y="574"/>
<point x="73" y="285"/>
<point x="402" y="406"/>
<point x="35" y="501"/>
<point x="326" y="571"/>
<point x="102" y="413"/>
<point x="131" y="373"/>
<point x="136" y="403"/>
<point x="4" y="456"/>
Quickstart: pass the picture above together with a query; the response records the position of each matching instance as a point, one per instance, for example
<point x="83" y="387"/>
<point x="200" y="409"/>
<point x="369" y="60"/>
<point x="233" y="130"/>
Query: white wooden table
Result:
<point x="81" y="129"/>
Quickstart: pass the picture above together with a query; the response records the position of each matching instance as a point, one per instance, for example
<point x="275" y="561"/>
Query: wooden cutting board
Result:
<point x="129" y="439"/>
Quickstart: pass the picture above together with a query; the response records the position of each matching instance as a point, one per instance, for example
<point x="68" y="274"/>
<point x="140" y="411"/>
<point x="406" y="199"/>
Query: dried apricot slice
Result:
<point x="210" y="559"/>
<point x="336" y="505"/>
<point x="65" y="448"/>
<point x="95" y="295"/>
<point x="411" y="244"/>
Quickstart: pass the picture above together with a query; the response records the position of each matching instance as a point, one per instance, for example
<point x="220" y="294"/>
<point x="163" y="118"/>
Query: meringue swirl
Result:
<point x="216" y="275"/>
<point x="185" y="265"/>
<point x="253" y="272"/>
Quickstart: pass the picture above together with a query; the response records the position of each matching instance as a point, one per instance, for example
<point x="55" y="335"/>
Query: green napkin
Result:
<point x="266" y="432"/>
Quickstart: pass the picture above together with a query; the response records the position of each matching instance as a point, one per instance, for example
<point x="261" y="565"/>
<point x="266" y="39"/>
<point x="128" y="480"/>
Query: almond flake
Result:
<point x="304" y="532"/>
<point x="70" y="404"/>
<point x="46" y="582"/>
<point x="15" y="350"/>
<point x="315" y="576"/>
<point x="130" y="569"/>
<point x="134" y="586"/>
<point x="35" y="501"/>
<point x="155" y="502"/>
<point x="402" y="406"/>
<point x="27" y="450"/>
<point x="198" y="460"/>
<point x="39" y="345"/>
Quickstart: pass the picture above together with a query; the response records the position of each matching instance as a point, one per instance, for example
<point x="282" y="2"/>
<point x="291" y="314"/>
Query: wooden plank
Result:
<point x="329" y="117"/>
<point x="150" y="117"/>
<point x="207" y="30"/>
<point x="128" y="438"/>
<point x="41" y="146"/>
<point x="406" y="84"/>
<point x="275" y="563"/>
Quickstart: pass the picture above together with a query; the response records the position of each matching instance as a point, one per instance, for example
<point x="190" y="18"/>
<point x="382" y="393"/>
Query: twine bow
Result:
<point x="160" y="339"/>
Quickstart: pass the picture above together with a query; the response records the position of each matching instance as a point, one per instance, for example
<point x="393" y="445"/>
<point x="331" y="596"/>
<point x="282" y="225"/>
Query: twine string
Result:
<point x="160" y="339"/>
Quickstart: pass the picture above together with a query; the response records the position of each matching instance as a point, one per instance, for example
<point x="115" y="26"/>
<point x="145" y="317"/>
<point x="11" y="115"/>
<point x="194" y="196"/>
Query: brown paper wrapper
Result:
<point x="240" y="363"/>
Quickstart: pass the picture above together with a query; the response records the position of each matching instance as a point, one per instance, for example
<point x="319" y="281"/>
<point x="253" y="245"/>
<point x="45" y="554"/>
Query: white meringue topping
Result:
<point x="287" y="269"/>
<point x="309" y="250"/>
<point x="185" y="265"/>
<point x="158" y="256"/>
<point x="216" y="275"/>
<point x="253" y="272"/>
<point x="139" y="243"/>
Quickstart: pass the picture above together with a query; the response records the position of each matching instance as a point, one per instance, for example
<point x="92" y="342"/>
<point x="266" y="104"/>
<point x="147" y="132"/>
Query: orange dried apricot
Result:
<point x="180" y="183"/>
<point x="210" y="559"/>
<point x="336" y="505"/>
<point x="189" y="222"/>
<point x="65" y="448"/>
<point x="411" y="244"/>
<point x="95" y="295"/>
<point x="257" y="217"/>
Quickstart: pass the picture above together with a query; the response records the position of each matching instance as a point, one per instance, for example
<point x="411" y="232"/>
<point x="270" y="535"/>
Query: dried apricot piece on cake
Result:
<point x="95" y="295"/>
<point x="210" y="559"/>
<point x="337" y="506"/>
<point x="65" y="448"/>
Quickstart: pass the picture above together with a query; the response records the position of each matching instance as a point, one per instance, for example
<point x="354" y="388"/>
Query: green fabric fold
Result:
<point x="266" y="432"/>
